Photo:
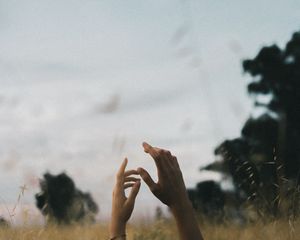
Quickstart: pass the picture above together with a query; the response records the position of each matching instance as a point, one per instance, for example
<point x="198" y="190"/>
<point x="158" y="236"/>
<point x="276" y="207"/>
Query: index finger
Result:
<point x="120" y="174"/>
<point x="151" y="150"/>
<point x="154" y="153"/>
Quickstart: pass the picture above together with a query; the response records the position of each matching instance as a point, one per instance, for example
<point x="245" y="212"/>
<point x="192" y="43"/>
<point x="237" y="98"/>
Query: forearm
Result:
<point x="186" y="221"/>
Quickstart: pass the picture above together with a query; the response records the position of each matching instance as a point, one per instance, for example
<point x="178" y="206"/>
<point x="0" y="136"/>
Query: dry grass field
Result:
<point x="277" y="230"/>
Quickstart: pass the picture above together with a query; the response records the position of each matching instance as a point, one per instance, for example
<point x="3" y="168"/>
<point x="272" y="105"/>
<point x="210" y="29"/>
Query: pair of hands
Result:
<point x="169" y="189"/>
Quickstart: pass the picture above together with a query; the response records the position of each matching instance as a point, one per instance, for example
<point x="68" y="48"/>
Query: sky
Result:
<point x="84" y="83"/>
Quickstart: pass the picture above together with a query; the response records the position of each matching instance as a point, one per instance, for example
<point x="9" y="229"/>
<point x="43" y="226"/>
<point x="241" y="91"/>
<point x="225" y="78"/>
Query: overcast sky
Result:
<point x="83" y="83"/>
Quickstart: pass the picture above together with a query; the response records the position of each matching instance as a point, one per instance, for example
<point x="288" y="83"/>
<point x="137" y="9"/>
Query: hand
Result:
<point x="170" y="188"/>
<point x="122" y="206"/>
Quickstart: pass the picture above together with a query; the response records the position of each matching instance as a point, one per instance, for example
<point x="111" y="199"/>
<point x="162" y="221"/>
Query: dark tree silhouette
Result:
<point x="279" y="75"/>
<point x="264" y="162"/>
<point x="61" y="202"/>
<point x="208" y="198"/>
<point x="4" y="223"/>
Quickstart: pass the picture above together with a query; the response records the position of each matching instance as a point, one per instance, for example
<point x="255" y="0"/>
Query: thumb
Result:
<point x="147" y="178"/>
<point x="134" y="191"/>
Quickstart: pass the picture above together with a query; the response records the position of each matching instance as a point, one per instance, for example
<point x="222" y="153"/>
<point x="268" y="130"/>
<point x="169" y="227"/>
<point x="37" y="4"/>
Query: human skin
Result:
<point x="123" y="206"/>
<point x="170" y="190"/>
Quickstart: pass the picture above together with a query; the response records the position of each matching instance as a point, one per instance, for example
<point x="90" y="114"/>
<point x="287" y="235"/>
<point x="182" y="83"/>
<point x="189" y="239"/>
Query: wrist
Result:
<point x="117" y="229"/>
<point x="181" y="203"/>
<point x="121" y="237"/>
<point x="183" y="210"/>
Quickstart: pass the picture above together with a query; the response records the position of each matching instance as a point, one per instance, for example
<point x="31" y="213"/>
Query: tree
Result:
<point x="61" y="202"/>
<point x="279" y="75"/>
<point x="264" y="162"/>
<point x="208" y="198"/>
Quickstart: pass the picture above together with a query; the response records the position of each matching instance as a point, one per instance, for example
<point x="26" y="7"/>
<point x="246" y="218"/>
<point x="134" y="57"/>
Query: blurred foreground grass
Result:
<point x="276" y="230"/>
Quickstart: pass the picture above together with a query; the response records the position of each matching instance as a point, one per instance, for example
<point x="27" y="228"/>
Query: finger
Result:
<point x="175" y="161"/>
<point x="149" y="149"/>
<point x="131" y="179"/>
<point x="147" y="178"/>
<point x="154" y="153"/>
<point x="120" y="174"/>
<point x="163" y="160"/>
<point x="167" y="153"/>
<point x="128" y="185"/>
<point x="134" y="191"/>
<point x="122" y="168"/>
<point x="166" y="158"/>
<point x="131" y="172"/>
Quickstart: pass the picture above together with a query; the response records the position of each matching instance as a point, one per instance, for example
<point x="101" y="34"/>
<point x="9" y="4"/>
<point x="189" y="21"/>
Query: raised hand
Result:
<point x="170" y="188"/>
<point x="123" y="206"/>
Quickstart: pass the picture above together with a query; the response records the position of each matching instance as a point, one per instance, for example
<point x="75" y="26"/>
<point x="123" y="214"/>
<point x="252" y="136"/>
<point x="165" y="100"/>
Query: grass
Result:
<point x="276" y="230"/>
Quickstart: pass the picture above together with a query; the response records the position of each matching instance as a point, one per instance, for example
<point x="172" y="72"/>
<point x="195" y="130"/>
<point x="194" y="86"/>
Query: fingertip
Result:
<point x="140" y="170"/>
<point x="122" y="168"/>
<point x="124" y="163"/>
<point x="146" y="146"/>
<point x="136" y="187"/>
